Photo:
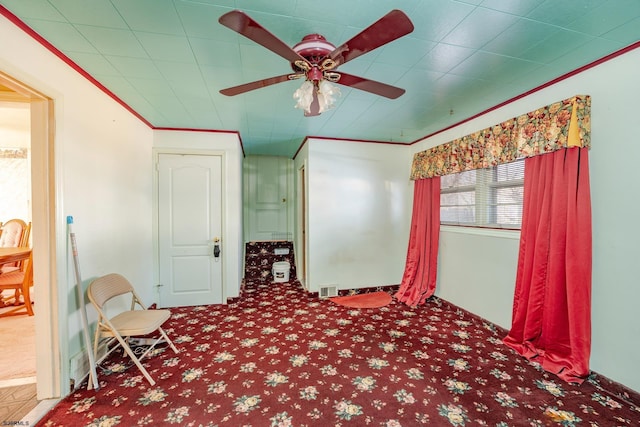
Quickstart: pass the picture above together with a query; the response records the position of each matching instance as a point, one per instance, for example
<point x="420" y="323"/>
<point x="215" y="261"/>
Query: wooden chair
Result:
<point x="130" y="323"/>
<point x="20" y="281"/>
<point x="15" y="233"/>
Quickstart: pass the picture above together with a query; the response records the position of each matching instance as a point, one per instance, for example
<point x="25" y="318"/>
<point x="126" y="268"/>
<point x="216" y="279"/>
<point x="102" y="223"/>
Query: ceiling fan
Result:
<point x="316" y="60"/>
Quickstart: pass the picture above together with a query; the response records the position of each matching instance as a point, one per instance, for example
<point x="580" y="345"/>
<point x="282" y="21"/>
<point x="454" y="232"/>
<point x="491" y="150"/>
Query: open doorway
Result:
<point x="43" y="236"/>
<point x="17" y="331"/>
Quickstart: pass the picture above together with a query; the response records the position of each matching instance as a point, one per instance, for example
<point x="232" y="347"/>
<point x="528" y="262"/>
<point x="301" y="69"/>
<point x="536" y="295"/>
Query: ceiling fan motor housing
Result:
<point x="314" y="48"/>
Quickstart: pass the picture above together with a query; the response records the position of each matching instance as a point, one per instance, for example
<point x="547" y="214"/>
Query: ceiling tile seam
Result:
<point x="204" y="79"/>
<point x="473" y="9"/>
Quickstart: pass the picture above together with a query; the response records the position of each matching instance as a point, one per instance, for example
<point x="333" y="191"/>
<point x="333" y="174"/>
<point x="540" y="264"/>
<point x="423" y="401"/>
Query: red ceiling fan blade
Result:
<point x="372" y="86"/>
<point x="393" y="25"/>
<point x="237" y="90"/>
<point x="242" y="23"/>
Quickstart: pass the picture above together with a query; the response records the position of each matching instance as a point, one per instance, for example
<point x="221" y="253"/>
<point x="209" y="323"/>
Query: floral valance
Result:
<point x="560" y="125"/>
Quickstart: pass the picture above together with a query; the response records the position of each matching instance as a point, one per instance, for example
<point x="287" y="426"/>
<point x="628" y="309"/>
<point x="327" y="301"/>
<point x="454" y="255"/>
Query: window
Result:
<point x="489" y="197"/>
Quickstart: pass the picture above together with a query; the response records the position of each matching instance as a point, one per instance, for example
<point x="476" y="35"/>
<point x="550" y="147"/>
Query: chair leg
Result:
<point x="26" y="295"/>
<point x="135" y="360"/>
<point x="166" y="338"/>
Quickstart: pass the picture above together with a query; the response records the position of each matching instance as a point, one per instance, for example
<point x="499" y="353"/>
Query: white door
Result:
<point x="268" y="191"/>
<point x="189" y="229"/>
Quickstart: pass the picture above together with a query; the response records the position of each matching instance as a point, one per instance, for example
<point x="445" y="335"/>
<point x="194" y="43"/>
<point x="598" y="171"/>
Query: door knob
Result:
<point x="216" y="247"/>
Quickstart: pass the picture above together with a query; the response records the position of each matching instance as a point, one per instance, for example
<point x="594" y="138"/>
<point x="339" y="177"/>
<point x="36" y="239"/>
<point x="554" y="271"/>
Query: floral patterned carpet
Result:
<point x="281" y="357"/>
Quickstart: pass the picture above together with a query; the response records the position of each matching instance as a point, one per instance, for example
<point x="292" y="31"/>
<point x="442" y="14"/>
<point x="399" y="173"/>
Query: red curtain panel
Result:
<point x="551" y="322"/>
<point x="419" y="278"/>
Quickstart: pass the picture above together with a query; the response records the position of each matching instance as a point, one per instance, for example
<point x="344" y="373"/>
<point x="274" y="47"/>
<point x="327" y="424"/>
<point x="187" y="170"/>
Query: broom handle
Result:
<point x="93" y="376"/>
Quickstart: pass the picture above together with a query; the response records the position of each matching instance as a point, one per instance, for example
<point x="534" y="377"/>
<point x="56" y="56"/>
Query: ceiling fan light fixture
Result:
<point x="327" y="92"/>
<point x="304" y="96"/>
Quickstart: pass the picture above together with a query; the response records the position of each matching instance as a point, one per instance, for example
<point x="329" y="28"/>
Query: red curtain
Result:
<point x="419" y="279"/>
<point x="551" y="321"/>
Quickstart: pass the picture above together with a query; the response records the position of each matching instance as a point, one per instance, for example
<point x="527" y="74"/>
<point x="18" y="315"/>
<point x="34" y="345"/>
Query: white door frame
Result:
<point x="47" y="240"/>
<point x="155" y="222"/>
<point x="302" y="228"/>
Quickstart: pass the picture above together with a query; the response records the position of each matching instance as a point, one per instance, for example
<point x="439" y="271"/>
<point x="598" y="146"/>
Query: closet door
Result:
<point x="189" y="229"/>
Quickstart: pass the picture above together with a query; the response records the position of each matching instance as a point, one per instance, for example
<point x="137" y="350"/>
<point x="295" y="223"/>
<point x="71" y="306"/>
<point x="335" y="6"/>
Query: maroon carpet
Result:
<point x="279" y="357"/>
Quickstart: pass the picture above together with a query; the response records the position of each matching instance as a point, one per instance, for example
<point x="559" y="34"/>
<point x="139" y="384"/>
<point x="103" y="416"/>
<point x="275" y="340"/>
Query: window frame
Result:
<point x="485" y="204"/>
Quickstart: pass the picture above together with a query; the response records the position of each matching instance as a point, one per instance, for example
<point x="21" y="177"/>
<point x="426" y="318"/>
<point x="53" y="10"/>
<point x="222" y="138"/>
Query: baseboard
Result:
<point x="79" y="365"/>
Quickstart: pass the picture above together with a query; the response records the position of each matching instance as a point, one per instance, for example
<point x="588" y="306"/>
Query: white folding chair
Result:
<point x="126" y="324"/>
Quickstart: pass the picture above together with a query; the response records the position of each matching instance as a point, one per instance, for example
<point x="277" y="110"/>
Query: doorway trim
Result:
<point x="303" y="223"/>
<point x="49" y="369"/>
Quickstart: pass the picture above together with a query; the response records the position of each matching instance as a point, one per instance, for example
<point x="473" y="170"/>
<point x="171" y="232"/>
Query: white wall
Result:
<point x="614" y="87"/>
<point x="358" y="205"/>
<point x="103" y="179"/>
<point x="228" y="145"/>
<point x="495" y="257"/>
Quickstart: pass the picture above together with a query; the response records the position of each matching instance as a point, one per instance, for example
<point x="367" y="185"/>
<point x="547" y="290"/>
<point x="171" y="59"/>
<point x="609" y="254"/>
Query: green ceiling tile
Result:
<point x="417" y="82"/>
<point x="386" y="73"/>
<point x="131" y="96"/>
<point x="33" y="9"/>
<point x="517" y="38"/>
<point x="444" y="57"/>
<point x="407" y="53"/>
<point x="605" y="18"/>
<point x="63" y="34"/>
<point x="90" y="12"/>
<point x="519" y="8"/>
<point x="586" y="54"/>
<point x="154" y="16"/>
<point x="479" y="27"/>
<point x="259" y="58"/>
<point x="218" y="78"/>
<point x="281" y="7"/>
<point x="200" y="111"/>
<point x="135" y="67"/>
<point x="562" y="13"/>
<point x="179" y="71"/>
<point x="110" y="41"/>
<point x="190" y="88"/>
<point x="201" y="20"/>
<point x="165" y="47"/>
<point x="169" y="104"/>
<point x="212" y="52"/>
<point x="156" y="87"/>
<point x="454" y="83"/>
<point x="480" y="65"/>
<point x="625" y="33"/>
<point x="94" y="63"/>
<point x="434" y="19"/>
<point x="489" y="66"/>
<point x="556" y="45"/>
